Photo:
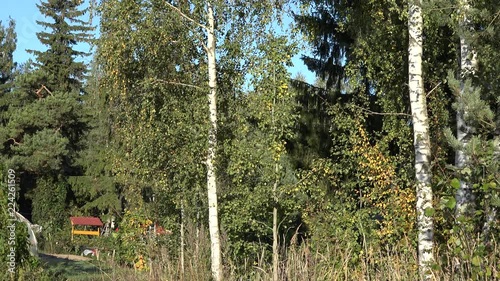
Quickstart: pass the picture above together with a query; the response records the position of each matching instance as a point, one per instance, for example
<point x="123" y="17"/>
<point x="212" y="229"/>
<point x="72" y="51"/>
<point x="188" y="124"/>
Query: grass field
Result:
<point x="74" y="268"/>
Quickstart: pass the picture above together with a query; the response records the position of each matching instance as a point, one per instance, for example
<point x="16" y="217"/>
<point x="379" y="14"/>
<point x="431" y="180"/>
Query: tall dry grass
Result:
<point x="301" y="262"/>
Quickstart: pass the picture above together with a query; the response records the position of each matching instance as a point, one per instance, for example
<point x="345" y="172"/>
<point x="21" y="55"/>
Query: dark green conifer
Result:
<point x="7" y="67"/>
<point x="46" y="119"/>
<point x="7" y="48"/>
<point x="65" y="30"/>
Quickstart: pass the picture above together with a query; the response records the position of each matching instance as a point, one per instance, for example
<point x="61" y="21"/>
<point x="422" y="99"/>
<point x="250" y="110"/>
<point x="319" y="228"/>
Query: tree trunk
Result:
<point x="213" y="218"/>
<point x="182" y="241"/>
<point x="421" y="140"/>
<point x="464" y="196"/>
<point x="275" y="227"/>
<point x="491" y="212"/>
<point x="275" y="190"/>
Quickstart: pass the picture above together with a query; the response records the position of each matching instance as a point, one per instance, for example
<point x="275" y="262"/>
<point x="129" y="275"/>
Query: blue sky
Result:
<point x="25" y="14"/>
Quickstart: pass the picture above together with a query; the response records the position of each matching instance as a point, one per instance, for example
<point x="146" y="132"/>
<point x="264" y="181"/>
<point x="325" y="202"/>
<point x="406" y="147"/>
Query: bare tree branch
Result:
<point x="494" y="19"/>
<point x="178" y="84"/>
<point x="186" y="16"/>
<point x="381" y="113"/>
<point x="432" y="90"/>
<point x="39" y="91"/>
<point x="14" y="140"/>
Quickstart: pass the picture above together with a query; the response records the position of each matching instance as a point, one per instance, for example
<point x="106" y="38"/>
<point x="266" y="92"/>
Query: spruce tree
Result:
<point x="7" y="48"/>
<point x="7" y="67"/>
<point x="67" y="29"/>
<point x="42" y="137"/>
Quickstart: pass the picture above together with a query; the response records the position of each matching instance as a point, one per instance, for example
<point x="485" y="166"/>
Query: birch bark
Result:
<point x="421" y="139"/>
<point x="275" y="229"/>
<point x="213" y="217"/>
<point x="464" y="196"/>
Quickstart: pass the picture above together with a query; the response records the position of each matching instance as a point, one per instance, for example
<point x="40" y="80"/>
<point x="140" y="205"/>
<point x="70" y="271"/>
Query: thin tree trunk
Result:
<point x="421" y="140"/>
<point x="275" y="227"/>
<point x="491" y="213"/>
<point x="182" y="241"/>
<point x="197" y="243"/>
<point x="213" y="218"/>
<point x="464" y="196"/>
<point x="275" y="190"/>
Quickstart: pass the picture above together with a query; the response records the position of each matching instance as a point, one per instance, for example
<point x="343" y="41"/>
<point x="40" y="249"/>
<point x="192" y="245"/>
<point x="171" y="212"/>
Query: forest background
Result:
<point x="186" y="116"/>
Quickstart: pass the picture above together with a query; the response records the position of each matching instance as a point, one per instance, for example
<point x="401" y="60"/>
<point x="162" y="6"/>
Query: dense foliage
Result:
<point x="313" y="181"/>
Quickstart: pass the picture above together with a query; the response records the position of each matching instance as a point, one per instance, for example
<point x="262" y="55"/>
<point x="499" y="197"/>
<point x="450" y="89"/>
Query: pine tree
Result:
<point x="47" y="114"/>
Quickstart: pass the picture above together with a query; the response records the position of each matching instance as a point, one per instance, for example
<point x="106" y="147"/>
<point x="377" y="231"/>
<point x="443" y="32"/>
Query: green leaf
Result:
<point x="429" y="212"/>
<point x="476" y="261"/>
<point x="495" y="201"/>
<point x="451" y="203"/>
<point x="493" y="185"/>
<point x="455" y="183"/>
<point x="436" y="267"/>
<point x="488" y="272"/>
<point x="466" y="171"/>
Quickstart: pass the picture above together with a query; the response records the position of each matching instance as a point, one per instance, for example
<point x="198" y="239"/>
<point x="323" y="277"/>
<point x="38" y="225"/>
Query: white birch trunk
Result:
<point x="464" y="196"/>
<point x="421" y="139"/>
<point x="213" y="218"/>
<point x="275" y="227"/>
<point x="275" y="190"/>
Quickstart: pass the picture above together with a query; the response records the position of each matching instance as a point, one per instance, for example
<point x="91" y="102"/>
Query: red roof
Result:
<point x="93" y="221"/>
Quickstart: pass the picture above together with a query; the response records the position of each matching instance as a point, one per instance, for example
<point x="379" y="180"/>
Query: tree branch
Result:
<point x="14" y="140"/>
<point x="39" y="91"/>
<point x="381" y="113"/>
<point x="493" y="20"/>
<point x="186" y="16"/>
<point x="178" y="84"/>
<point x="435" y="87"/>
<point x="191" y="21"/>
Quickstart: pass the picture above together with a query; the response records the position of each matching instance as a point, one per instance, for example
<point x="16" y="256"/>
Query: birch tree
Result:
<point x="475" y="119"/>
<point x="208" y="31"/>
<point x="213" y="218"/>
<point x="213" y="21"/>
<point x="464" y="196"/>
<point x="151" y="90"/>
<point x="272" y="90"/>
<point x="421" y="139"/>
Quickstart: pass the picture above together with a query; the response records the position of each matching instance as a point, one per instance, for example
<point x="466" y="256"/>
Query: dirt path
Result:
<point x="71" y="267"/>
